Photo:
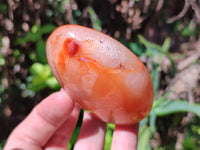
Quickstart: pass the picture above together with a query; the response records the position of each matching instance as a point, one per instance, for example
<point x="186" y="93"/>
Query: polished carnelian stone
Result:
<point x="100" y="74"/>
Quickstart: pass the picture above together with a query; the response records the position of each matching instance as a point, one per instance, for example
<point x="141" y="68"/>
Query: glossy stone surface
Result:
<point x="100" y="74"/>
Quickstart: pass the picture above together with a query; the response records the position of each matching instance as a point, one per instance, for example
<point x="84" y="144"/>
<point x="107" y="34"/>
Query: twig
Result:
<point x="160" y="5"/>
<point x="131" y="3"/>
<point x="146" y="5"/>
<point x="181" y="14"/>
<point x="195" y="8"/>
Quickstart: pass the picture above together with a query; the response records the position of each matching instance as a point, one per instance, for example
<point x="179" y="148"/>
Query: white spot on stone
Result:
<point x="72" y="34"/>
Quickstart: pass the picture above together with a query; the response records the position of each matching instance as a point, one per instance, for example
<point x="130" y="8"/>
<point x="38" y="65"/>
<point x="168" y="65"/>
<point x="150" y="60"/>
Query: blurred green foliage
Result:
<point x="162" y="106"/>
<point x="95" y="20"/>
<point x="41" y="77"/>
<point x="35" y="36"/>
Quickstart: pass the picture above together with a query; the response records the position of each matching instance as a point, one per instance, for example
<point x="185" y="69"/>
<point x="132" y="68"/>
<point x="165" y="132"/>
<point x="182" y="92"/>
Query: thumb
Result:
<point x="41" y="123"/>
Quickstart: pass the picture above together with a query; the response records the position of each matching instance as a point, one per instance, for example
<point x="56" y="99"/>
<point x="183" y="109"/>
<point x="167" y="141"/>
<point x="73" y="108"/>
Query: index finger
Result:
<point x="125" y="137"/>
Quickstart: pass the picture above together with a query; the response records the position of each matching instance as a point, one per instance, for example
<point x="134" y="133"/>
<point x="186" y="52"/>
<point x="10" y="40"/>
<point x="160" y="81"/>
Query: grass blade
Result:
<point x="170" y="107"/>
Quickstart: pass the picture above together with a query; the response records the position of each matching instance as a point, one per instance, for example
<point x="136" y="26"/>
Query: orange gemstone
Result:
<point x="100" y="74"/>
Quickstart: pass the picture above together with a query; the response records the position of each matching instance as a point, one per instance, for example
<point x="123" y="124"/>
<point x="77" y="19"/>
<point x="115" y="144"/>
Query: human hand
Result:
<point x="51" y="123"/>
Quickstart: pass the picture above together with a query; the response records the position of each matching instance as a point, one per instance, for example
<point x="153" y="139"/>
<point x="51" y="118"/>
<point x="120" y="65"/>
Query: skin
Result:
<point x="51" y="123"/>
<point x="100" y="74"/>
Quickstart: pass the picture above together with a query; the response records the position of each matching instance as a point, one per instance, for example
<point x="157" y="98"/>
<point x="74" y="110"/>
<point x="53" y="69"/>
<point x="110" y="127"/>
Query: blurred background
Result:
<point x="164" y="34"/>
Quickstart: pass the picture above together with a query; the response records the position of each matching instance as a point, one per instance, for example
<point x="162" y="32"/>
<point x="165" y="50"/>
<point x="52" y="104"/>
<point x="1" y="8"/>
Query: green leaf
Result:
<point x="108" y="137"/>
<point x="155" y="78"/>
<point x="156" y="103"/>
<point x="40" y="74"/>
<point x="47" y="28"/>
<point x="143" y="122"/>
<point x="152" y="121"/>
<point x="136" y="48"/>
<point x="74" y="138"/>
<point x="149" y="44"/>
<point x="36" y="34"/>
<point x="3" y="8"/>
<point x="38" y="69"/>
<point x="176" y="106"/>
<point x="35" y="28"/>
<point x="95" y="20"/>
<point x="29" y="37"/>
<point x="41" y="52"/>
<point x="16" y="53"/>
<point x="189" y="144"/>
<point x="52" y="83"/>
<point x="189" y="30"/>
<point x="2" y="60"/>
<point x="166" y="45"/>
<point x="144" y="139"/>
<point x="155" y="49"/>
<point x="37" y="84"/>
<point x="2" y="144"/>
